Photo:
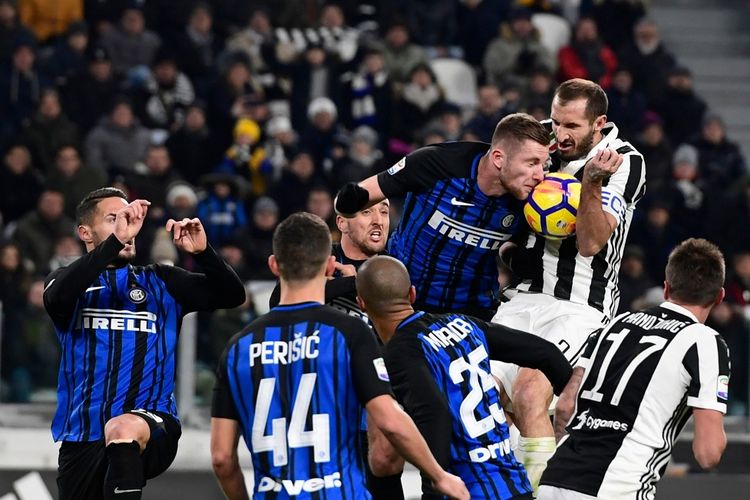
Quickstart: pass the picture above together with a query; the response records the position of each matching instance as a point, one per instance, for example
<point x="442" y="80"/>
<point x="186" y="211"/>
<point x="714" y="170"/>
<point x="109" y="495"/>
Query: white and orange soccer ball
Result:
<point x="552" y="206"/>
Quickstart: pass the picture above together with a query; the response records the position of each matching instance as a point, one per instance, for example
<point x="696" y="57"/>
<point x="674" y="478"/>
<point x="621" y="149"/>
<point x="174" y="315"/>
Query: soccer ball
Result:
<point x="552" y="206"/>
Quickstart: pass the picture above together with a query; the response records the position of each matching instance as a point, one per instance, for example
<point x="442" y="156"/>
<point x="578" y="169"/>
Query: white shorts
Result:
<point x="555" y="493"/>
<point x="564" y="323"/>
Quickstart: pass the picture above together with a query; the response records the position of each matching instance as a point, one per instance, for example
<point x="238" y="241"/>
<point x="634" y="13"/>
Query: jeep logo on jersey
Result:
<point x="294" y="487"/>
<point x="111" y="319"/>
<point x="458" y="231"/>
<point x="137" y="295"/>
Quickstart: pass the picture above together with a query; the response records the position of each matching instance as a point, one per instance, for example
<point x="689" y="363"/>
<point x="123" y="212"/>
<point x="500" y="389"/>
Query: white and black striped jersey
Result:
<point x="568" y="275"/>
<point x="644" y="374"/>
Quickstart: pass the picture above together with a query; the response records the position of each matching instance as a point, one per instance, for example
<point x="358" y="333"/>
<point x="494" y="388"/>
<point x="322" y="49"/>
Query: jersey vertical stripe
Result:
<point x="115" y="348"/>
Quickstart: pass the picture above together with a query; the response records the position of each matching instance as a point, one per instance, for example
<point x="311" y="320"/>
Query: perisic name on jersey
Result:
<point x="275" y="352"/>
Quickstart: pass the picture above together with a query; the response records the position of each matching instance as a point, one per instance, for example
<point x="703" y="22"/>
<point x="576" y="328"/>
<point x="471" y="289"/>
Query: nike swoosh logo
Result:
<point x="118" y="490"/>
<point x="458" y="203"/>
<point x="92" y="288"/>
<point x="49" y="284"/>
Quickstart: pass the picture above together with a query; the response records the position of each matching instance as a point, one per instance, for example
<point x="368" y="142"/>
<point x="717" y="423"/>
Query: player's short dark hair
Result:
<point x="518" y="127"/>
<point x="695" y="272"/>
<point x="87" y="207"/>
<point x="578" y="88"/>
<point x="301" y="245"/>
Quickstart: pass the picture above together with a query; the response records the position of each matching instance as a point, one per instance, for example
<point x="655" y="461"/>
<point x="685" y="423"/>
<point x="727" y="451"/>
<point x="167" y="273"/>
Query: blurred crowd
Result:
<point x="241" y="113"/>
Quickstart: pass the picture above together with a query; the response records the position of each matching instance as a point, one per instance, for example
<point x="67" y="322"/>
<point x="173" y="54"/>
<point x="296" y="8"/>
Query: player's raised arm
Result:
<point x="567" y="403"/>
<point x="354" y="197"/>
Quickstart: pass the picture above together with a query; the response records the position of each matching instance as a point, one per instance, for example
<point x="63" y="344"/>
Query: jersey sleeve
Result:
<point x="585" y="359"/>
<point x="367" y="363"/>
<point x="416" y="172"/>
<point x="416" y="390"/>
<point x="626" y="186"/>
<point x="515" y="346"/>
<point x="707" y="364"/>
<point x="222" y="405"/>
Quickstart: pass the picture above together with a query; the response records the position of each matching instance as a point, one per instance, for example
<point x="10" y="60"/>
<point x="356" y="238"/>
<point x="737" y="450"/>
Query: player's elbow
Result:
<point x="386" y="464"/>
<point x="708" y="453"/>
<point x="224" y="463"/>
<point x="589" y="248"/>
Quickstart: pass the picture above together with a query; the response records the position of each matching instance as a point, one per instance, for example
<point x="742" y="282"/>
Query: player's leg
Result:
<point x="162" y="447"/>
<point x="81" y="470"/>
<point x="384" y="466"/>
<point x="126" y="436"/>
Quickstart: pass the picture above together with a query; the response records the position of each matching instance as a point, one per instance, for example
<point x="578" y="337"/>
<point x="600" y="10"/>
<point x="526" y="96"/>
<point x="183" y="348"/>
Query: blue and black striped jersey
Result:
<point x="118" y="330"/>
<point x="439" y="366"/>
<point x="297" y="380"/>
<point x="449" y="232"/>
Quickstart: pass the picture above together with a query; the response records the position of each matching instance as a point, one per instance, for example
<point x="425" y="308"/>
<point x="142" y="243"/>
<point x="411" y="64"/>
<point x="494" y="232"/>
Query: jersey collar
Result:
<point x="294" y="307"/>
<point x="409" y="319"/>
<point x="679" y="309"/>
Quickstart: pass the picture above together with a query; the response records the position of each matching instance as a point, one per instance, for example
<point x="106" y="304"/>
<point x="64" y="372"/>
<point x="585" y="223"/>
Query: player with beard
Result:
<point x="118" y="325"/>
<point x="569" y="287"/>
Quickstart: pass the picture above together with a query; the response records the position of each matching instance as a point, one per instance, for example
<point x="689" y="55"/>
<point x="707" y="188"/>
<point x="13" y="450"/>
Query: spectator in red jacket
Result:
<point x="587" y="56"/>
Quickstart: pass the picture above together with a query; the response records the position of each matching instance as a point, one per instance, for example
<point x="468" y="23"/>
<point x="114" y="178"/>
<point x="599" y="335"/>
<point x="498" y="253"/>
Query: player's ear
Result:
<point x="599" y="123"/>
<point x="412" y="294"/>
<point x="341" y="224"/>
<point x="720" y="297"/>
<point x="330" y="265"/>
<point x="361" y="304"/>
<point x="273" y="265"/>
<point x="667" y="291"/>
<point x="84" y="233"/>
<point x="497" y="156"/>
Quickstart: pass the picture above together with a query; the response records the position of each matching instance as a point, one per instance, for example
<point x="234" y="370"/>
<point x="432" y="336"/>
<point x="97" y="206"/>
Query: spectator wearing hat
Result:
<point x="11" y="29"/>
<point x="222" y="211"/>
<point x="256" y="244"/>
<point x="627" y="106"/>
<point x="363" y="158"/>
<point x="517" y="51"/>
<point x="281" y="142"/>
<point x="319" y="135"/>
<point x="21" y="85"/>
<point x="130" y="44"/>
<point x="680" y="107"/>
<point x="657" y="152"/>
<point x="48" y="130"/>
<point x="587" y="56"/>
<point x="721" y="163"/>
<point x="400" y="55"/>
<point x="648" y="59"/>
<point x="73" y="178"/>
<point x="190" y="146"/>
<point x="181" y="201"/>
<point x="49" y="18"/>
<point x="119" y="142"/>
<point x="246" y="157"/>
<point x="419" y="103"/>
<point x="69" y="55"/>
<point x="370" y="94"/>
<point x="687" y="194"/>
<point x="166" y="93"/>
<point x="20" y="184"/>
<point x="634" y="281"/>
<point x="90" y="95"/>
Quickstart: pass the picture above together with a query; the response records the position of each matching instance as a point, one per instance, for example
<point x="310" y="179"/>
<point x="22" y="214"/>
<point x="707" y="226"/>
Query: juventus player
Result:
<point x="294" y="383"/>
<point x="117" y="325"/>
<point x="463" y="200"/>
<point x="570" y="285"/>
<point x="439" y="367"/>
<point x="637" y="384"/>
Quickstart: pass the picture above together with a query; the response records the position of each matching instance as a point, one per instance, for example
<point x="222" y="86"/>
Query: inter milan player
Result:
<point x="570" y="286"/>
<point x="439" y="368"/>
<point x="637" y="384"/>
<point x="118" y="324"/>
<point x="463" y="200"/>
<point x="294" y="384"/>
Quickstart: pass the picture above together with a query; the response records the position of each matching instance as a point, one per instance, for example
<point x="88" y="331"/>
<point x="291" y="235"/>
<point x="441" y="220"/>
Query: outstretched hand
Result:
<point x="129" y="220"/>
<point x="188" y="235"/>
<point x="452" y="486"/>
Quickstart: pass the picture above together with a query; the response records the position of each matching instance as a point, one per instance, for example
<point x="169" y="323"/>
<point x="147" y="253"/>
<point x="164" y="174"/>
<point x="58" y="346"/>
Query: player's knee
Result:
<point x="126" y="427"/>
<point x="531" y="392"/>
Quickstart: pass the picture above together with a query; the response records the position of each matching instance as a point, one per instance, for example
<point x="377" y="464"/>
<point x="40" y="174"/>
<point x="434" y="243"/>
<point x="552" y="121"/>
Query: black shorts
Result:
<point x="83" y="465"/>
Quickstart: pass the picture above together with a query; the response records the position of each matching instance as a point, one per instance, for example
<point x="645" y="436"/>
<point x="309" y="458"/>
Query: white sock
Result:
<point x="534" y="453"/>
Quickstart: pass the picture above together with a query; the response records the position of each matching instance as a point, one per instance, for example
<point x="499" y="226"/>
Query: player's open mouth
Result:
<point x="565" y="146"/>
<point x="376" y="235"/>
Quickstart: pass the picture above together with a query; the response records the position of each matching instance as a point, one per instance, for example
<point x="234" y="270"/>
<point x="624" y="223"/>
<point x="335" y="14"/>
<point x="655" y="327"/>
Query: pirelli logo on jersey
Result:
<point x="464" y="233"/>
<point x="112" y="319"/>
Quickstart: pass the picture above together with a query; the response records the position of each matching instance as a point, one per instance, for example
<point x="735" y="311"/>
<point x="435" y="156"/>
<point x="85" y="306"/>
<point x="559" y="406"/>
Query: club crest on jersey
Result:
<point x="508" y="220"/>
<point x="137" y="295"/>
<point x="397" y="167"/>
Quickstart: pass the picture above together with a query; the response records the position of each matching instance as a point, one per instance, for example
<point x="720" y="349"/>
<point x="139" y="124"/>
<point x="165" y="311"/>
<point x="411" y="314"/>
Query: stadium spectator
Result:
<point x="733" y="325"/>
<point x="48" y="130"/>
<point x="647" y="58"/>
<point x="634" y="281"/>
<point x="247" y="157"/>
<point x="400" y="55"/>
<point x="251" y="39"/>
<point x="370" y="95"/>
<point x="587" y="56"/>
<point x="432" y="23"/>
<point x="489" y="112"/>
<point x="680" y="107"/>
<point x="130" y="44"/>
<point x="166" y="93"/>
<point x="119" y="142"/>
<point x="687" y="194"/>
<point x="281" y="141"/>
<point x="69" y="54"/>
<point x="190" y="146"/>
<point x="151" y="179"/>
<point x="362" y="160"/>
<point x="222" y="208"/>
<point x="298" y="178"/>
<point x="38" y="231"/>
<point x="20" y="184"/>
<point x="72" y="178"/>
<point x="67" y="250"/>
<point x="538" y="94"/>
<point x="49" y="18"/>
<point x="721" y="163"/>
<point x="619" y="17"/>
<point x="11" y="29"/>
<point x="656" y="150"/>
<point x="319" y="135"/>
<point x="197" y="46"/>
<point x="627" y="106"/>
<point x="478" y="21"/>
<point x="516" y="52"/>
<point x="256" y="243"/>
<point x="90" y="95"/>
<point x="420" y="102"/>
<point x="657" y="236"/>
